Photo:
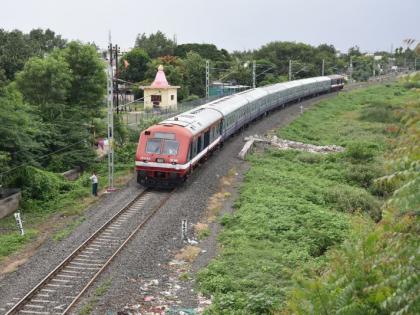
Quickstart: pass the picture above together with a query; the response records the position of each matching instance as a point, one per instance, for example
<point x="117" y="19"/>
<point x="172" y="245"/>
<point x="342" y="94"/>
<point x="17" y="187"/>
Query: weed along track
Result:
<point x="61" y="289"/>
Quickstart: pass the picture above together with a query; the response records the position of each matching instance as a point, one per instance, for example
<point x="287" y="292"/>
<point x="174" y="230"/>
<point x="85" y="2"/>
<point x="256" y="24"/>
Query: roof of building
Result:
<point x="160" y="81"/>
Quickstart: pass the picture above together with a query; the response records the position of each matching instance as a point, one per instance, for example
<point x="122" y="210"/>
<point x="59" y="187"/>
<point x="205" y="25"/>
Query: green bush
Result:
<point x="360" y="151"/>
<point x="363" y="175"/>
<point x="351" y="199"/>
<point x="125" y="154"/>
<point x="38" y="184"/>
<point x="378" y="112"/>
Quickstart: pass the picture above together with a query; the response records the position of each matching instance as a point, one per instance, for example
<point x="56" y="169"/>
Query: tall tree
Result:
<point x="156" y="45"/>
<point x="88" y="86"/>
<point x="68" y="87"/>
<point x="207" y="51"/>
<point x="45" y="41"/>
<point x="15" y="50"/>
<point x="133" y="65"/>
<point x="195" y="69"/>
<point x="20" y="129"/>
<point x="46" y="82"/>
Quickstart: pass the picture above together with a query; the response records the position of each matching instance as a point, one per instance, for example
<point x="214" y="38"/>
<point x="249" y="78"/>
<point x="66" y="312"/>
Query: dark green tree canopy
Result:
<point x="133" y="65"/>
<point x="89" y="78"/>
<point x="16" y="48"/>
<point x="156" y="45"/>
<point x="207" y="51"/>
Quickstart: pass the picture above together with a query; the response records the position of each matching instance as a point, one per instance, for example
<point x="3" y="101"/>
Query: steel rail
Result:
<point x="22" y="302"/>
<point x="132" y="234"/>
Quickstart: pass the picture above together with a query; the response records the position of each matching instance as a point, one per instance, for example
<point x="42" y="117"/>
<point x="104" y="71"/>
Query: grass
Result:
<point x="202" y="230"/>
<point x="12" y="242"/>
<point x="63" y="233"/>
<point x="100" y="291"/>
<point x="295" y="207"/>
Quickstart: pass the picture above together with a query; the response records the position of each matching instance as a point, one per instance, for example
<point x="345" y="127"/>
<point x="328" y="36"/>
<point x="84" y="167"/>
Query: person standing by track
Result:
<point x="94" y="180"/>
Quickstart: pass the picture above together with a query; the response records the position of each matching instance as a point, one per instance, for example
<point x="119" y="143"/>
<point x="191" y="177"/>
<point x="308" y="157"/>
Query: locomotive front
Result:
<point x="161" y="157"/>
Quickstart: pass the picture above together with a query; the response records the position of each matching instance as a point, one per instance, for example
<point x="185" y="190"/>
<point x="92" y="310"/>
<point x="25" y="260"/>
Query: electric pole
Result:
<point x="254" y="66"/>
<point x="323" y="67"/>
<point x="351" y="69"/>
<point x="110" y="101"/>
<point x="117" y="101"/>
<point x="207" y="78"/>
<point x="290" y="69"/>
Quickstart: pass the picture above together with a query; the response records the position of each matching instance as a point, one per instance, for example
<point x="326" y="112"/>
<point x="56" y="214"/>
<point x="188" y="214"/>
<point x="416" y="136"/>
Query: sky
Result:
<point x="231" y="24"/>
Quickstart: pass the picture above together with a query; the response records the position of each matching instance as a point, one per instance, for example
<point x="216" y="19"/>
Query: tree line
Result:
<point x="51" y="97"/>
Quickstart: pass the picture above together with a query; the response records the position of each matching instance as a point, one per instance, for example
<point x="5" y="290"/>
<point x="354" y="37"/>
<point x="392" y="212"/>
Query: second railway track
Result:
<point x="61" y="289"/>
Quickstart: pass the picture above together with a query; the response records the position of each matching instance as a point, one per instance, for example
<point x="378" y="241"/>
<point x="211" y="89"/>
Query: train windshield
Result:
<point x="170" y="147"/>
<point x="153" y="146"/>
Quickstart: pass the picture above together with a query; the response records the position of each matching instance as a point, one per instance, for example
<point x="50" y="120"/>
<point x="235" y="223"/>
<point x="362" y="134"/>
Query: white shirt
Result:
<point x="94" y="179"/>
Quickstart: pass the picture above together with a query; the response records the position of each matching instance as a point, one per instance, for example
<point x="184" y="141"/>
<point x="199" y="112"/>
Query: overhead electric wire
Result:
<point x="41" y="157"/>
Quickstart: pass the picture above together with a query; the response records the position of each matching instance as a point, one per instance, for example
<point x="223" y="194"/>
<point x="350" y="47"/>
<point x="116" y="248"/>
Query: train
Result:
<point x="168" y="152"/>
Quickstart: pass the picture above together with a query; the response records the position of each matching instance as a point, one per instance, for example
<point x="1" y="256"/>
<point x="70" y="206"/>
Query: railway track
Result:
<point x="62" y="288"/>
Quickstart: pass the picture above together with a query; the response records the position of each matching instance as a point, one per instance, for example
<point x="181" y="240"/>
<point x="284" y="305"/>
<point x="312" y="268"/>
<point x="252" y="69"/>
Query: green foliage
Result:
<point x="360" y="151"/>
<point x="16" y="48"/>
<point x="89" y="78"/>
<point x="286" y="228"/>
<point x="206" y="51"/>
<point x="379" y="112"/>
<point x="46" y="82"/>
<point x="136" y="61"/>
<point x="67" y="88"/>
<point x="155" y="45"/>
<point x="195" y="68"/>
<point x="12" y="242"/>
<point x="19" y="129"/>
<point x="39" y="184"/>
<point x="374" y="271"/>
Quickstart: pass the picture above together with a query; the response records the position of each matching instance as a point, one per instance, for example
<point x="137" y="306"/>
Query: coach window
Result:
<point x="153" y="146"/>
<point x="206" y="138"/>
<point x="195" y="147"/>
<point x="170" y="147"/>
<point x="199" y="144"/>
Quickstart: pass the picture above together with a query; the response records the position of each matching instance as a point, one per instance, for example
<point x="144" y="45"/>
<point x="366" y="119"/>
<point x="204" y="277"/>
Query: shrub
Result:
<point x="360" y="151"/>
<point x="363" y="174"/>
<point x="38" y="184"/>
<point x="310" y="158"/>
<point x="350" y="199"/>
<point x="378" y="112"/>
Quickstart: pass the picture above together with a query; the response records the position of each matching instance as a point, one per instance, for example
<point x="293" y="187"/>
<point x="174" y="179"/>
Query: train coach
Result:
<point x="169" y="151"/>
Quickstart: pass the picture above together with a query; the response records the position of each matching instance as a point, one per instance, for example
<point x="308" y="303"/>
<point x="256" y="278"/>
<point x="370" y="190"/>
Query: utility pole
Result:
<point x="117" y="101"/>
<point x="207" y="78"/>
<point x="351" y="69"/>
<point x="254" y="66"/>
<point x="374" y="74"/>
<point x="323" y="67"/>
<point x="110" y="101"/>
<point x="290" y="69"/>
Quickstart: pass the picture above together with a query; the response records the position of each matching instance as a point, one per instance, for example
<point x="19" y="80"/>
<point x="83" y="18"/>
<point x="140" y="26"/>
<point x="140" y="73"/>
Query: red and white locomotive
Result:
<point x="169" y="151"/>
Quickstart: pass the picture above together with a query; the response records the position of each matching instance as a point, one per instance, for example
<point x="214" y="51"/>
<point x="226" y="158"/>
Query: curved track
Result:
<point x="61" y="289"/>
